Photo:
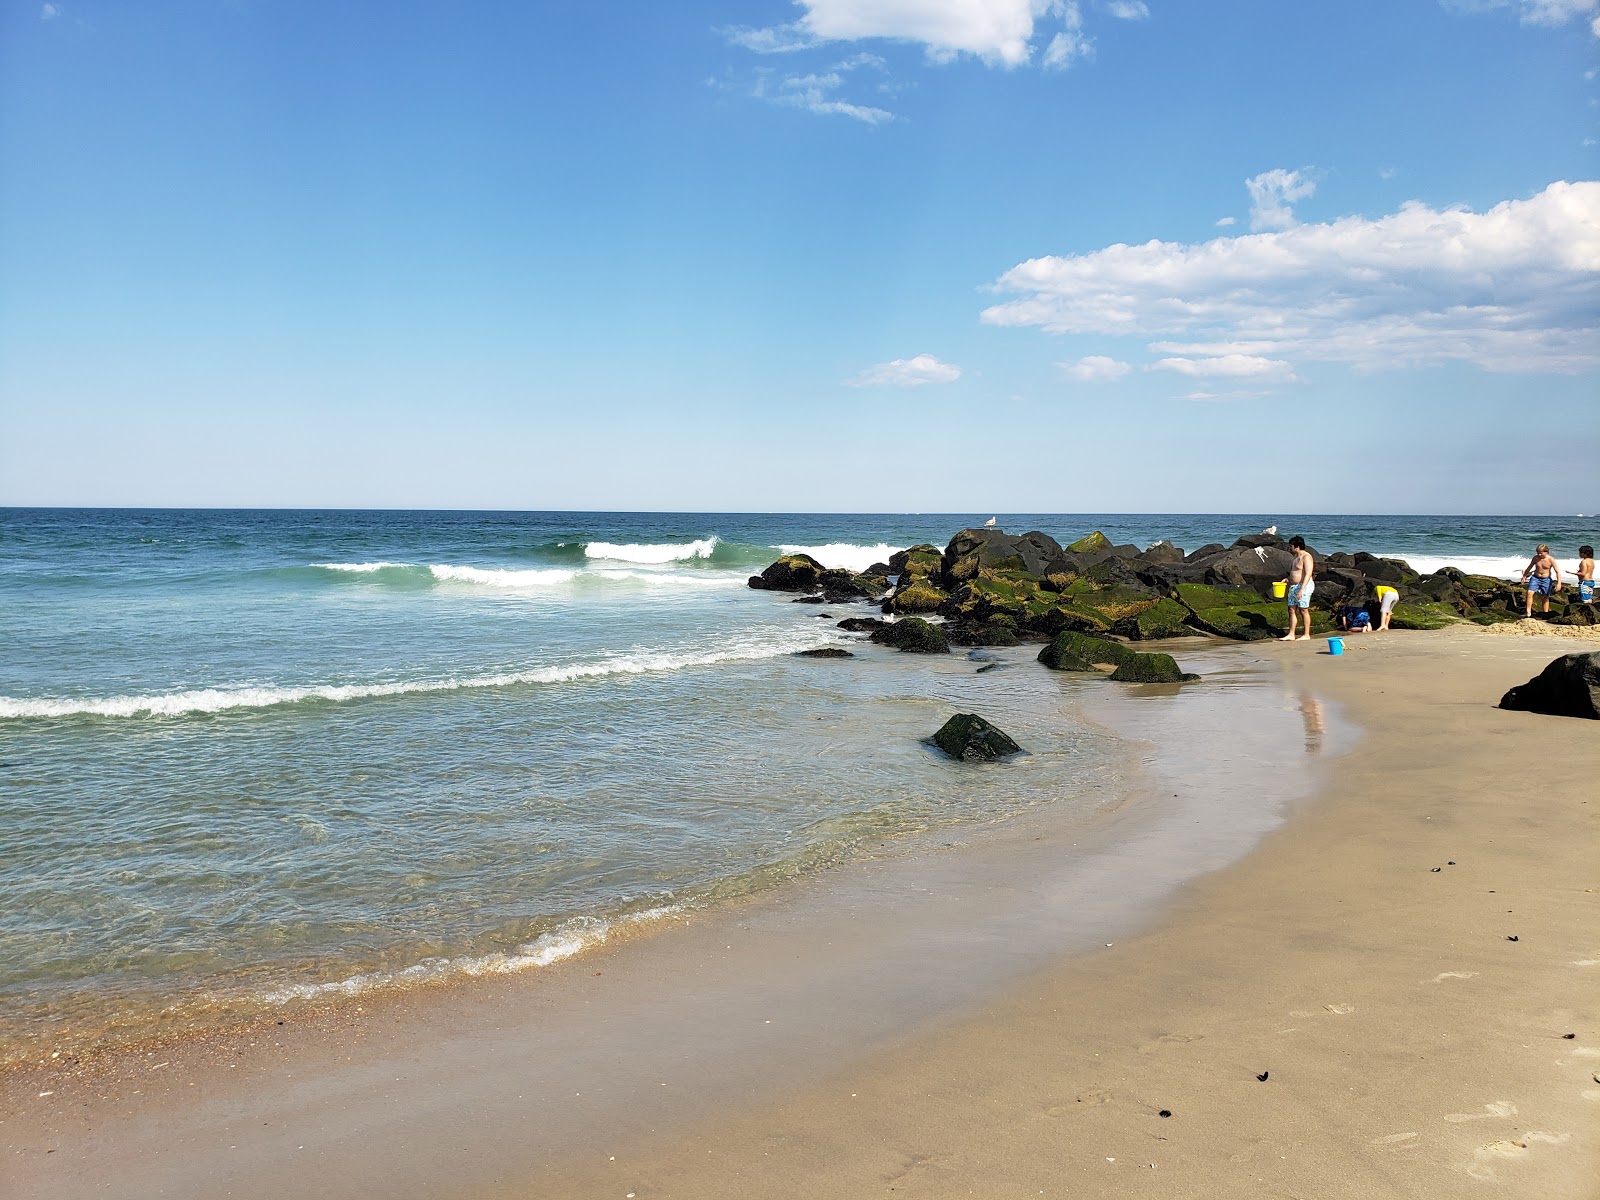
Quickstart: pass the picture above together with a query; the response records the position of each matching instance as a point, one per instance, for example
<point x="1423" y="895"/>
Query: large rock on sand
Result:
<point x="1568" y="687"/>
<point x="972" y="739"/>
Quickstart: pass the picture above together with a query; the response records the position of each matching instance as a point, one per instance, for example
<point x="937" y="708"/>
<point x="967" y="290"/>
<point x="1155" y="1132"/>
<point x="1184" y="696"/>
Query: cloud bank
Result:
<point x="1510" y="289"/>
<point x="907" y="372"/>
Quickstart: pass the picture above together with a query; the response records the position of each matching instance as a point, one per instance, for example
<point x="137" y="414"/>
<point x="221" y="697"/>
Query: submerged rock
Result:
<point x="914" y="635"/>
<point x="1568" y="687"/>
<point x="862" y="624"/>
<point x="972" y="739"/>
<point x="824" y="652"/>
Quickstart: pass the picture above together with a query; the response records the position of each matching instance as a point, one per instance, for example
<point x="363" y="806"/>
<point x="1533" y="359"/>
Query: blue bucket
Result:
<point x="1335" y="645"/>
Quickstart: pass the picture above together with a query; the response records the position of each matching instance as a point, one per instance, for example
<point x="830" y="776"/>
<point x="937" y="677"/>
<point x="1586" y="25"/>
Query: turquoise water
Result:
<point x="253" y="757"/>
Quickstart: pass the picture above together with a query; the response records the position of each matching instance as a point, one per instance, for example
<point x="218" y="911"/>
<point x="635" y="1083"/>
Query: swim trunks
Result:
<point x="1585" y="591"/>
<point x="1541" y="587"/>
<point x="1299" y="595"/>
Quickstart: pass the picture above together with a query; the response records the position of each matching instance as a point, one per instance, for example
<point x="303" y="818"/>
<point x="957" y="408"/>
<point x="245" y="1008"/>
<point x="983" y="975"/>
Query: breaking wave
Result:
<point x="669" y="552"/>
<point x="215" y="700"/>
<point x="1499" y="566"/>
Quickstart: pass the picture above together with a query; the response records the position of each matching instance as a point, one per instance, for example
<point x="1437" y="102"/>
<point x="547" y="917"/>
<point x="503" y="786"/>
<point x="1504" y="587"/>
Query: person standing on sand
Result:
<point x="1585" y="574"/>
<point x="1301" y="585"/>
<point x="1541" y="577"/>
<point x="1387" y="599"/>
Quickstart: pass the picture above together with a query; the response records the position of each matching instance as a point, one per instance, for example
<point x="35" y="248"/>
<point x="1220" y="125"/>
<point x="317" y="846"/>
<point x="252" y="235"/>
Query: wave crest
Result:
<point x="658" y="553"/>
<point x="215" y="700"/>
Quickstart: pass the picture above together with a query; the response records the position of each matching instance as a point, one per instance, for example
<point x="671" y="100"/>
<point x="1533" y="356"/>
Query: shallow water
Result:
<point x="254" y="756"/>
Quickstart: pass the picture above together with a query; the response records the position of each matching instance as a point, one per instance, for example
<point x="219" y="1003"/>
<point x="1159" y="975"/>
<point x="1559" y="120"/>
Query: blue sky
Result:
<point x="905" y="255"/>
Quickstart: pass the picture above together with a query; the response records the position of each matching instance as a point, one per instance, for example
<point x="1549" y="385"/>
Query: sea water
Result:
<point x="253" y="758"/>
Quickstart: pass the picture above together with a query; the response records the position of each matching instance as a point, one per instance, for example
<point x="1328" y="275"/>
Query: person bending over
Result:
<point x="1541" y="577"/>
<point x="1301" y="585"/>
<point x="1388" y="597"/>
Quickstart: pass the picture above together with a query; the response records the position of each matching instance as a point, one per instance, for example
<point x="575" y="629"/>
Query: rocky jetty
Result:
<point x="994" y="589"/>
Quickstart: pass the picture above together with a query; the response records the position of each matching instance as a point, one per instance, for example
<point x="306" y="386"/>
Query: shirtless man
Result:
<point x="1301" y="585"/>
<point x="1586" y="574"/>
<point x="1541" y="577"/>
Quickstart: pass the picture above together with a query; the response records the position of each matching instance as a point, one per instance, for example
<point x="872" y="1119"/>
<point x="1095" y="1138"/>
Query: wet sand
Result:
<point x="946" y="1019"/>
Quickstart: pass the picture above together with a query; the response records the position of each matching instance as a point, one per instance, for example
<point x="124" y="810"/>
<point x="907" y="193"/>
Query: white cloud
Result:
<point x="1271" y="194"/>
<point x="1068" y="46"/>
<point x="1128" y="10"/>
<point x="815" y="92"/>
<point x="907" y="372"/>
<point x="1096" y="368"/>
<point x="1229" y="366"/>
<point x="1549" y="13"/>
<point x="1510" y="289"/>
<point x="1000" y="32"/>
<point x="49" y="12"/>
<point x="1224" y="222"/>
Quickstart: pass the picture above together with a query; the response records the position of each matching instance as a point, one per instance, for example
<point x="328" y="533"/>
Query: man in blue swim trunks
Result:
<point x="1541" y="577"/>
<point x="1585" y="574"/>
<point x="1301" y="585"/>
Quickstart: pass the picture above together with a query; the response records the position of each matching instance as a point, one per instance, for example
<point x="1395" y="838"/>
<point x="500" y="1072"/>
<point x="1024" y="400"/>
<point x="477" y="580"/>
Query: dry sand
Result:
<point x="1410" y="1048"/>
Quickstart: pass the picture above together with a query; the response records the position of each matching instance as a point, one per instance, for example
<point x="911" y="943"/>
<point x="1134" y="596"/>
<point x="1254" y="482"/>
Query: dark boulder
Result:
<point x="1150" y="668"/>
<point x="1205" y="551"/>
<point x="975" y="550"/>
<point x="824" y="652"/>
<point x="1568" y="687"/>
<point x="862" y="624"/>
<point x="1251" y="540"/>
<point x="979" y="633"/>
<point x="1162" y="552"/>
<point x="1163" y="619"/>
<point x="914" y="635"/>
<point x="972" y="739"/>
<point x="791" y="573"/>
<point x="1073" y="651"/>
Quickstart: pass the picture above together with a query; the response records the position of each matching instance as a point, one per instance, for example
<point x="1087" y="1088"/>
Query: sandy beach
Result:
<point x="1410" y="961"/>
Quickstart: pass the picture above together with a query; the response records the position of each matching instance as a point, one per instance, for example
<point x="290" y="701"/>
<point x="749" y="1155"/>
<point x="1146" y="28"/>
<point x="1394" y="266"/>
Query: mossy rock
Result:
<point x="791" y="573"/>
<point x="1117" y="603"/>
<point x="913" y="635"/>
<point x="1090" y="544"/>
<point x="1163" y="619"/>
<point x="1055" y="618"/>
<point x="1073" y="651"/>
<point x="970" y="738"/>
<point x="920" y="597"/>
<point x="1494" y="616"/>
<point x="992" y="594"/>
<point x="981" y="633"/>
<point x="1245" y="622"/>
<point x="1196" y="596"/>
<point x="1422" y="616"/>
<point x="1151" y="668"/>
<point x="923" y="560"/>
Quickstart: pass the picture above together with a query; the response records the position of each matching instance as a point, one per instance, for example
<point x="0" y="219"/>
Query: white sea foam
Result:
<point x="1499" y="566"/>
<point x="666" y="552"/>
<point x="572" y="938"/>
<point x="359" y="568"/>
<point x="845" y="554"/>
<point x="501" y="578"/>
<point x="213" y="700"/>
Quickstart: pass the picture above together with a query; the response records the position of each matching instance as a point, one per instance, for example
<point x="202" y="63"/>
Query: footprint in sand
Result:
<point x="1396" y="1141"/>
<point x="1443" y="975"/>
<point x="1510" y="1148"/>
<point x="1340" y="1009"/>
<point x="1170" y="1039"/>
<point x="1500" y="1108"/>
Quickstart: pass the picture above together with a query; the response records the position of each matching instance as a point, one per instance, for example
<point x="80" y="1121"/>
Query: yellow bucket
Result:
<point x="1280" y="589"/>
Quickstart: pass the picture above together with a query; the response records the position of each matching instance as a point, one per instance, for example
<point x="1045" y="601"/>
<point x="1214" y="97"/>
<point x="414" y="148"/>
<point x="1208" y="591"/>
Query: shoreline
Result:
<point x="458" y="1122"/>
<point x="961" y="924"/>
<point x="1393" y="995"/>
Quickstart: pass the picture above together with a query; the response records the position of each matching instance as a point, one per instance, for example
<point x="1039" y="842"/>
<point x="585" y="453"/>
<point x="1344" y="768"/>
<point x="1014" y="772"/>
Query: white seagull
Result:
<point x="989" y="523"/>
<point x="1270" y="529"/>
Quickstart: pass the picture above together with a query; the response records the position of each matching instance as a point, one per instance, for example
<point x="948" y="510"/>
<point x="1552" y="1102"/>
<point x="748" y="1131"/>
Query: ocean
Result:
<point x="257" y="758"/>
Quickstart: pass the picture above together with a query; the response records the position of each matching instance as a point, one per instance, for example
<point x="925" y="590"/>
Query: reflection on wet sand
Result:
<point x="1311" y="713"/>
